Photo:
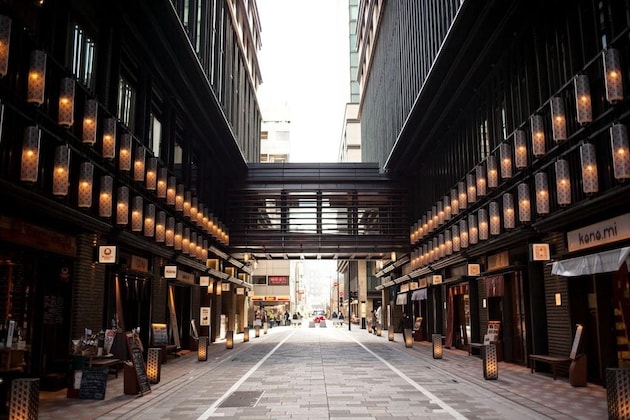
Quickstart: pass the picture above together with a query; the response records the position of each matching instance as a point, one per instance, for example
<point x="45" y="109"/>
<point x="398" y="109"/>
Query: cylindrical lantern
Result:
<point x="524" y="206"/>
<point x="538" y="135"/>
<point x="563" y="182"/>
<point x="446" y="205"/>
<point x="520" y="149"/>
<point x="493" y="173"/>
<point x="205" y="220"/>
<point x="65" y="115"/>
<point x="179" y="197"/>
<point x="202" y="349"/>
<point x="149" y="220"/>
<point x="482" y="216"/>
<point x="441" y="246"/>
<point x="122" y="206"/>
<point x="136" y="214"/>
<point x="558" y="119"/>
<point x="505" y="153"/>
<point x="23" y="399"/>
<point x="192" y="243"/>
<point x="90" y="116"/>
<point x="440" y="212"/>
<point x="463" y="196"/>
<point x="454" y="201"/>
<point x="542" y="193"/>
<point x="109" y="138"/>
<point x="186" y="240"/>
<point x="495" y="218"/>
<point x="246" y="335"/>
<point x="390" y="333"/>
<point x="588" y="159"/>
<point x="480" y="176"/>
<point x="229" y="339"/>
<point x="473" y="231"/>
<point x="124" y="154"/>
<point x="162" y="182"/>
<point x="435" y="217"/>
<point x="61" y="171"/>
<point x="160" y="227"/>
<point x="265" y="327"/>
<point x="620" y="153"/>
<point x="257" y="331"/>
<point x="463" y="233"/>
<point x="153" y="365"/>
<point x="471" y="188"/>
<point x="617" y="391"/>
<point x="456" y="238"/>
<point x="187" y="203"/>
<point x="36" y="78"/>
<point x="490" y="361"/>
<point x="583" y="99"/>
<point x="105" y="200"/>
<point x="138" y="164"/>
<point x="509" y="221"/>
<point x="29" y="170"/>
<point x="5" y="43"/>
<point x="151" y="179"/>
<point x="437" y="346"/>
<point x="613" y="80"/>
<point x="408" y="333"/>
<point x="169" y="234"/>
<point x="86" y="173"/>
<point x="430" y="221"/>
<point x="171" y="187"/>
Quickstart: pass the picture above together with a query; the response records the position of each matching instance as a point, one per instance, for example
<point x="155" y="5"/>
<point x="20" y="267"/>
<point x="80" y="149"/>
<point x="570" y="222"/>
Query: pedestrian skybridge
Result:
<point x="319" y="210"/>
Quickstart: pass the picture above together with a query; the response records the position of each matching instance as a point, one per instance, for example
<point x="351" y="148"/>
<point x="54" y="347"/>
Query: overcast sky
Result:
<point x="304" y="62"/>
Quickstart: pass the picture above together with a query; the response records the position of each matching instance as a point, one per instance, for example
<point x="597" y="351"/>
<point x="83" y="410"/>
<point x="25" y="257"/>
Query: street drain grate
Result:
<point x="242" y="399"/>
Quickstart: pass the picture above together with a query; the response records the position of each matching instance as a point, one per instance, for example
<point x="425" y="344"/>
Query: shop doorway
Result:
<point x="458" y="317"/>
<point x="180" y="308"/>
<point x="129" y="304"/>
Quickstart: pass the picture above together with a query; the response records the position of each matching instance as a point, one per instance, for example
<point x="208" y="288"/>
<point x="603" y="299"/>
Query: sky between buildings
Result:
<point x="304" y="62"/>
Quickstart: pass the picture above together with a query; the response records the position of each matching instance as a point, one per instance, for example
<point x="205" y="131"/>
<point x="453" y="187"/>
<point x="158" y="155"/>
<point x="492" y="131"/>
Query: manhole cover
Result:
<point x="242" y="399"/>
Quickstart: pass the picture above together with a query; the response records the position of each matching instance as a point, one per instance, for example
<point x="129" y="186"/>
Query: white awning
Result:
<point x="401" y="299"/>
<point x="420" y="294"/>
<point x="602" y="262"/>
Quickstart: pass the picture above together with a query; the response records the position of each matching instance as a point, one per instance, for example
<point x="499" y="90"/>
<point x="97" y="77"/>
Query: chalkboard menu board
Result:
<point x="138" y="364"/>
<point x="93" y="383"/>
<point x="160" y="334"/>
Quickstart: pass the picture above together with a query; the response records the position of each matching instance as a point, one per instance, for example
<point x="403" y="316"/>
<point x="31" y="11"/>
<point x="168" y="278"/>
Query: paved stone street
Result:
<point x="333" y="373"/>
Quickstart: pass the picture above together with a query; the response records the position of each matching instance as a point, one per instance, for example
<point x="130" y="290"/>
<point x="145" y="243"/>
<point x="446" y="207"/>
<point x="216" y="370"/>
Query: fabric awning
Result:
<point x="602" y="262"/>
<point x="420" y="294"/>
<point x="401" y="299"/>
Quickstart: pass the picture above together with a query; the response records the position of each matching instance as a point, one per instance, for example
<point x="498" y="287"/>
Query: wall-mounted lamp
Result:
<point x="584" y="112"/>
<point x="109" y="138"/>
<point x="620" y="153"/>
<point x="446" y="205"/>
<point x="588" y="159"/>
<point x="493" y="172"/>
<point x="192" y="244"/>
<point x="171" y="187"/>
<point x="169" y="233"/>
<point x="471" y="188"/>
<point x="205" y="219"/>
<point x="563" y="182"/>
<point x="473" y="231"/>
<point x="162" y="182"/>
<point x="462" y="195"/>
<point x="392" y="256"/>
<point x="454" y="202"/>
<point x="186" y="241"/>
<point x="90" y="117"/>
<point x="61" y="171"/>
<point x="520" y="149"/>
<point x="448" y="242"/>
<point x="482" y="216"/>
<point x="612" y="70"/>
<point x="495" y="218"/>
<point x="86" y="173"/>
<point x="441" y="246"/>
<point x="5" y="43"/>
<point x="149" y="220"/>
<point x="200" y="210"/>
<point x="124" y="154"/>
<point x="29" y="170"/>
<point x="524" y="206"/>
<point x="136" y="214"/>
<point x="179" y="234"/>
<point x="187" y="200"/>
<point x="179" y="197"/>
<point x="558" y="119"/>
<point x="542" y="193"/>
<point x="484" y="303"/>
<point x="558" y="299"/>
<point x="505" y="154"/>
<point x="151" y="178"/>
<point x="430" y="221"/>
<point x="480" y="176"/>
<point x="122" y="206"/>
<point x="204" y="252"/>
<point x="538" y="135"/>
<point x="65" y="115"/>
<point x="105" y="201"/>
<point x="194" y="203"/>
<point x="463" y="233"/>
<point x="440" y="212"/>
<point x="36" y="78"/>
<point x="508" y="211"/>
<point x="138" y="164"/>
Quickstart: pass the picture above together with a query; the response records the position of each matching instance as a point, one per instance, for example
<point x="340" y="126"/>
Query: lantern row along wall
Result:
<point x="164" y="210"/>
<point x="447" y="228"/>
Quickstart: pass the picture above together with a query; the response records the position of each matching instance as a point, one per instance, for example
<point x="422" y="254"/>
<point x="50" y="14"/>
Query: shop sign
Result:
<point x="185" y="277"/>
<point x="474" y="270"/>
<point x="204" y="316"/>
<point x="21" y="233"/>
<point x="500" y="260"/>
<point x="107" y="254"/>
<point x="422" y="283"/>
<point x="270" y="298"/>
<point x="404" y="287"/>
<point x="139" y="264"/>
<point x="225" y="287"/>
<point x="540" y="252"/>
<point x="278" y="280"/>
<point x="204" y="280"/>
<point x="413" y="285"/>
<point x="240" y="291"/>
<point x="230" y="271"/>
<point x="435" y="279"/>
<point x="170" y="271"/>
<point x="212" y="263"/>
<point x="606" y="232"/>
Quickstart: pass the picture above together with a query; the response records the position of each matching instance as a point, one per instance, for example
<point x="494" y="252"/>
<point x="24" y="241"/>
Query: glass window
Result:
<point x="126" y="102"/>
<point x="155" y="135"/>
<point x="82" y="56"/>
<point x="259" y="280"/>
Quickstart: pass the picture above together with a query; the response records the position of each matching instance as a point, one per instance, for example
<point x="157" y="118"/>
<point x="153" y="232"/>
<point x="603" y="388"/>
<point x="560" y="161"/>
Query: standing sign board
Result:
<point x="135" y="354"/>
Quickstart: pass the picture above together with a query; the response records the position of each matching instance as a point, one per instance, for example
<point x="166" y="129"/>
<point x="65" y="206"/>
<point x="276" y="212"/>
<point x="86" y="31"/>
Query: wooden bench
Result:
<point x="577" y="370"/>
<point x="554" y="361"/>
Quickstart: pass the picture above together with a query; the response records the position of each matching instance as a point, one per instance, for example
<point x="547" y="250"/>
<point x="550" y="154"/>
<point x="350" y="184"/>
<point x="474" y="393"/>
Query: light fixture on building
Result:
<point x="493" y="173"/>
<point x="171" y="187"/>
<point x="122" y="206"/>
<point x="495" y="218"/>
<point x="86" y="173"/>
<point x="90" y="117"/>
<point x="482" y="218"/>
<point x="454" y="202"/>
<point x="441" y="246"/>
<point x="583" y="106"/>
<point x="192" y="243"/>
<point x="65" y="115"/>
<point x="563" y="182"/>
<point x="613" y="80"/>
<point x="538" y="135"/>
<point x="473" y="231"/>
<point x="435" y="217"/>
<point x="520" y="149"/>
<point x="162" y="180"/>
<point x="620" y="153"/>
<point x="109" y="138"/>
<point x="200" y="209"/>
<point x="448" y="242"/>
<point x="186" y="206"/>
<point x="440" y="212"/>
<point x="524" y="205"/>
<point x="425" y="254"/>
<point x="205" y="219"/>
<point x="446" y="205"/>
<point x="194" y="202"/>
<point x="160" y="227"/>
<point x="179" y="197"/>
<point x="136" y="214"/>
<point x="542" y="193"/>
<point x="463" y="233"/>
<point x="204" y="253"/>
<point x="124" y="154"/>
<point x="151" y="178"/>
<point x="149" y="220"/>
<point x="480" y="176"/>
<point x="36" y="78"/>
<point x="169" y="233"/>
<point x="392" y="256"/>
<point x="61" y="171"/>
<point x="558" y="119"/>
<point x="590" y="182"/>
<point x="425" y="225"/>
<point x="436" y="248"/>
<point x="105" y="201"/>
<point x="505" y="154"/>
<point x="463" y="196"/>
<point x="509" y="221"/>
<point x="5" y="43"/>
<point x="471" y="194"/>
<point x="29" y="170"/>
<point x="430" y="221"/>
<point x="179" y="234"/>
<point x="186" y="240"/>
<point x="138" y="164"/>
